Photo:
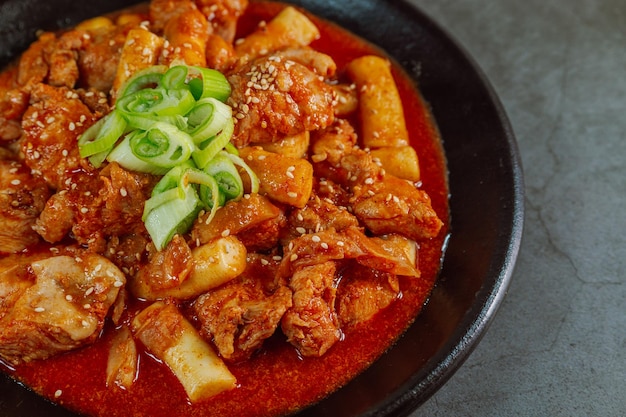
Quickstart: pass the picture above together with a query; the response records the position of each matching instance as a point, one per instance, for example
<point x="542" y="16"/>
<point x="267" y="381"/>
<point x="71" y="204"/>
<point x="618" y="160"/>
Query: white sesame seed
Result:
<point x="264" y="262"/>
<point x="84" y="210"/>
<point x="277" y="257"/>
<point x="123" y="192"/>
<point x="300" y="217"/>
<point x="72" y="126"/>
<point x="86" y="306"/>
<point x="58" y="393"/>
<point x="293" y="257"/>
<point x="316" y="239"/>
<point x="226" y="233"/>
<point x="340" y="243"/>
<point x="50" y="120"/>
<point x="292" y="194"/>
<point x="89" y="291"/>
<point x="39" y="310"/>
<point x="16" y="182"/>
<point x="301" y="230"/>
<point x="324" y="245"/>
<point x="369" y="181"/>
<point x="69" y="297"/>
<point x="118" y="284"/>
<point x="289" y="174"/>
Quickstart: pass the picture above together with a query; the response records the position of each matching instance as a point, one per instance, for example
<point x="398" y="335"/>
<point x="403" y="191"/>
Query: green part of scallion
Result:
<point x="173" y="122"/>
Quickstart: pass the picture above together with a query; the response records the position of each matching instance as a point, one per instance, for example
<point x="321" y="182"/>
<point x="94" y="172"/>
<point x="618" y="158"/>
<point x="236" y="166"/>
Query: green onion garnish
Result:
<point x="173" y="122"/>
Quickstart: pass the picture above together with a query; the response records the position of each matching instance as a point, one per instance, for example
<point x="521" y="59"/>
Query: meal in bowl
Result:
<point x="210" y="208"/>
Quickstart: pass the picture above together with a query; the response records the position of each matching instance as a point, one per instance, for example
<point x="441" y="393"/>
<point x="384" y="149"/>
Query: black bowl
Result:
<point x="486" y="188"/>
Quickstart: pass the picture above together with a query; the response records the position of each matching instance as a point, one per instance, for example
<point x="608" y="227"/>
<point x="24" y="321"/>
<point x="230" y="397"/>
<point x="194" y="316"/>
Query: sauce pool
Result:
<point x="276" y="380"/>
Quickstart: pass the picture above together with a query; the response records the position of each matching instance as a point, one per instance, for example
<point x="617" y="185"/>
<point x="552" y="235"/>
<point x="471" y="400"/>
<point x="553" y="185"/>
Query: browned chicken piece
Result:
<point x="13" y="103"/>
<point x="274" y="97"/>
<point x="396" y="206"/>
<point x="165" y="269"/>
<point x="52" y="60"/>
<point x="311" y="324"/>
<point x="99" y="57"/>
<point x="240" y="315"/>
<point x="363" y="292"/>
<point x="223" y="16"/>
<point x="123" y="194"/>
<point x="237" y="217"/>
<point x="393" y="256"/>
<point x="63" y="307"/>
<point x="52" y="125"/>
<point x="162" y="11"/>
<point x="316" y="216"/>
<point x="96" y="205"/>
<point x="22" y="198"/>
<point x="336" y="157"/>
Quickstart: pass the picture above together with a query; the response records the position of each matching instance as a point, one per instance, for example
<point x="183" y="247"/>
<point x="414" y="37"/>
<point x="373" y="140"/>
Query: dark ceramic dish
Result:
<point x="486" y="200"/>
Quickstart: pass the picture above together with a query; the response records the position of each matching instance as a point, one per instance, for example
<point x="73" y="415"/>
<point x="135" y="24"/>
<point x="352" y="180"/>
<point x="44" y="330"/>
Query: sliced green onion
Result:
<point x="207" y="118"/>
<point x="174" y="78"/>
<point x="163" y="145"/>
<point x="174" y="216"/>
<point x="213" y="84"/>
<point x="147" y="78"/>
<point x="102" y="135"/>
<point x="209" y="190"/>
<point x="225" y="173"/>
<point x="254" y="180"/>
<point x="207" y="150"/>
<point x="124" y="156"/>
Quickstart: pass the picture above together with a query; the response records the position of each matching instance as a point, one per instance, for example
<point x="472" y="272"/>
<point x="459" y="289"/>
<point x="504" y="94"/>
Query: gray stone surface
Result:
<point x="557" y="347"/>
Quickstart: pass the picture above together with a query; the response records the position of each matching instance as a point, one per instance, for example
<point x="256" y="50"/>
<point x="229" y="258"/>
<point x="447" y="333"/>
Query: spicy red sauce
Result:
<point x="276" y="380"/>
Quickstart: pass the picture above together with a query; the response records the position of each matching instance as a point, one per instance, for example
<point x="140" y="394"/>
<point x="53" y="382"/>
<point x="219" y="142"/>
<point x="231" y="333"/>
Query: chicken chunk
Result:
<point x="240" y="315"/>
<point x="396" y="206"/>
<point x="363" y="292"/>
<point x="223" y="16"/>
<point x="22" y="198"/>
<point x="275" y="97"/>
<point x="62" y="309"/>
<point x="51" y="126"/>
<point x="311" y="324"/>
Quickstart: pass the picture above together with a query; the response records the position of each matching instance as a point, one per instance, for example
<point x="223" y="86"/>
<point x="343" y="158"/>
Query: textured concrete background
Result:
<point x="557" y="347"/>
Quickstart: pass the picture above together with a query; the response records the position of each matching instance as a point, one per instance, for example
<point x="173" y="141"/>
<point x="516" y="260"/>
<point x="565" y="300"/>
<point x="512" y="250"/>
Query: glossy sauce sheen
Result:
<point x="276" y="381"/>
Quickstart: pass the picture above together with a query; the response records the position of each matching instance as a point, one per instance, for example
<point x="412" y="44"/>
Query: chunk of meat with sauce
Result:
<point x="337" y="158"/>
<point x="94" y="205"/>
<point x="223" y="16"/>
<point x="22" y="198"/>
<point x="311" y="324"/>
<point x="274" y="97"/>
<point x="395" y="255"/>
<point x="318" y="215"/>
<point x="52" y="125"/>
<point x="13" y="103"/>
<point x="99" y="56"/>
<point x="363" y="292"/>
<point x="63" y="307"/>
<point x="243" y="313"/>
<point x="253" y="218"/>
<point x="52" y="60"/>
<point x="396" y="206"/>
